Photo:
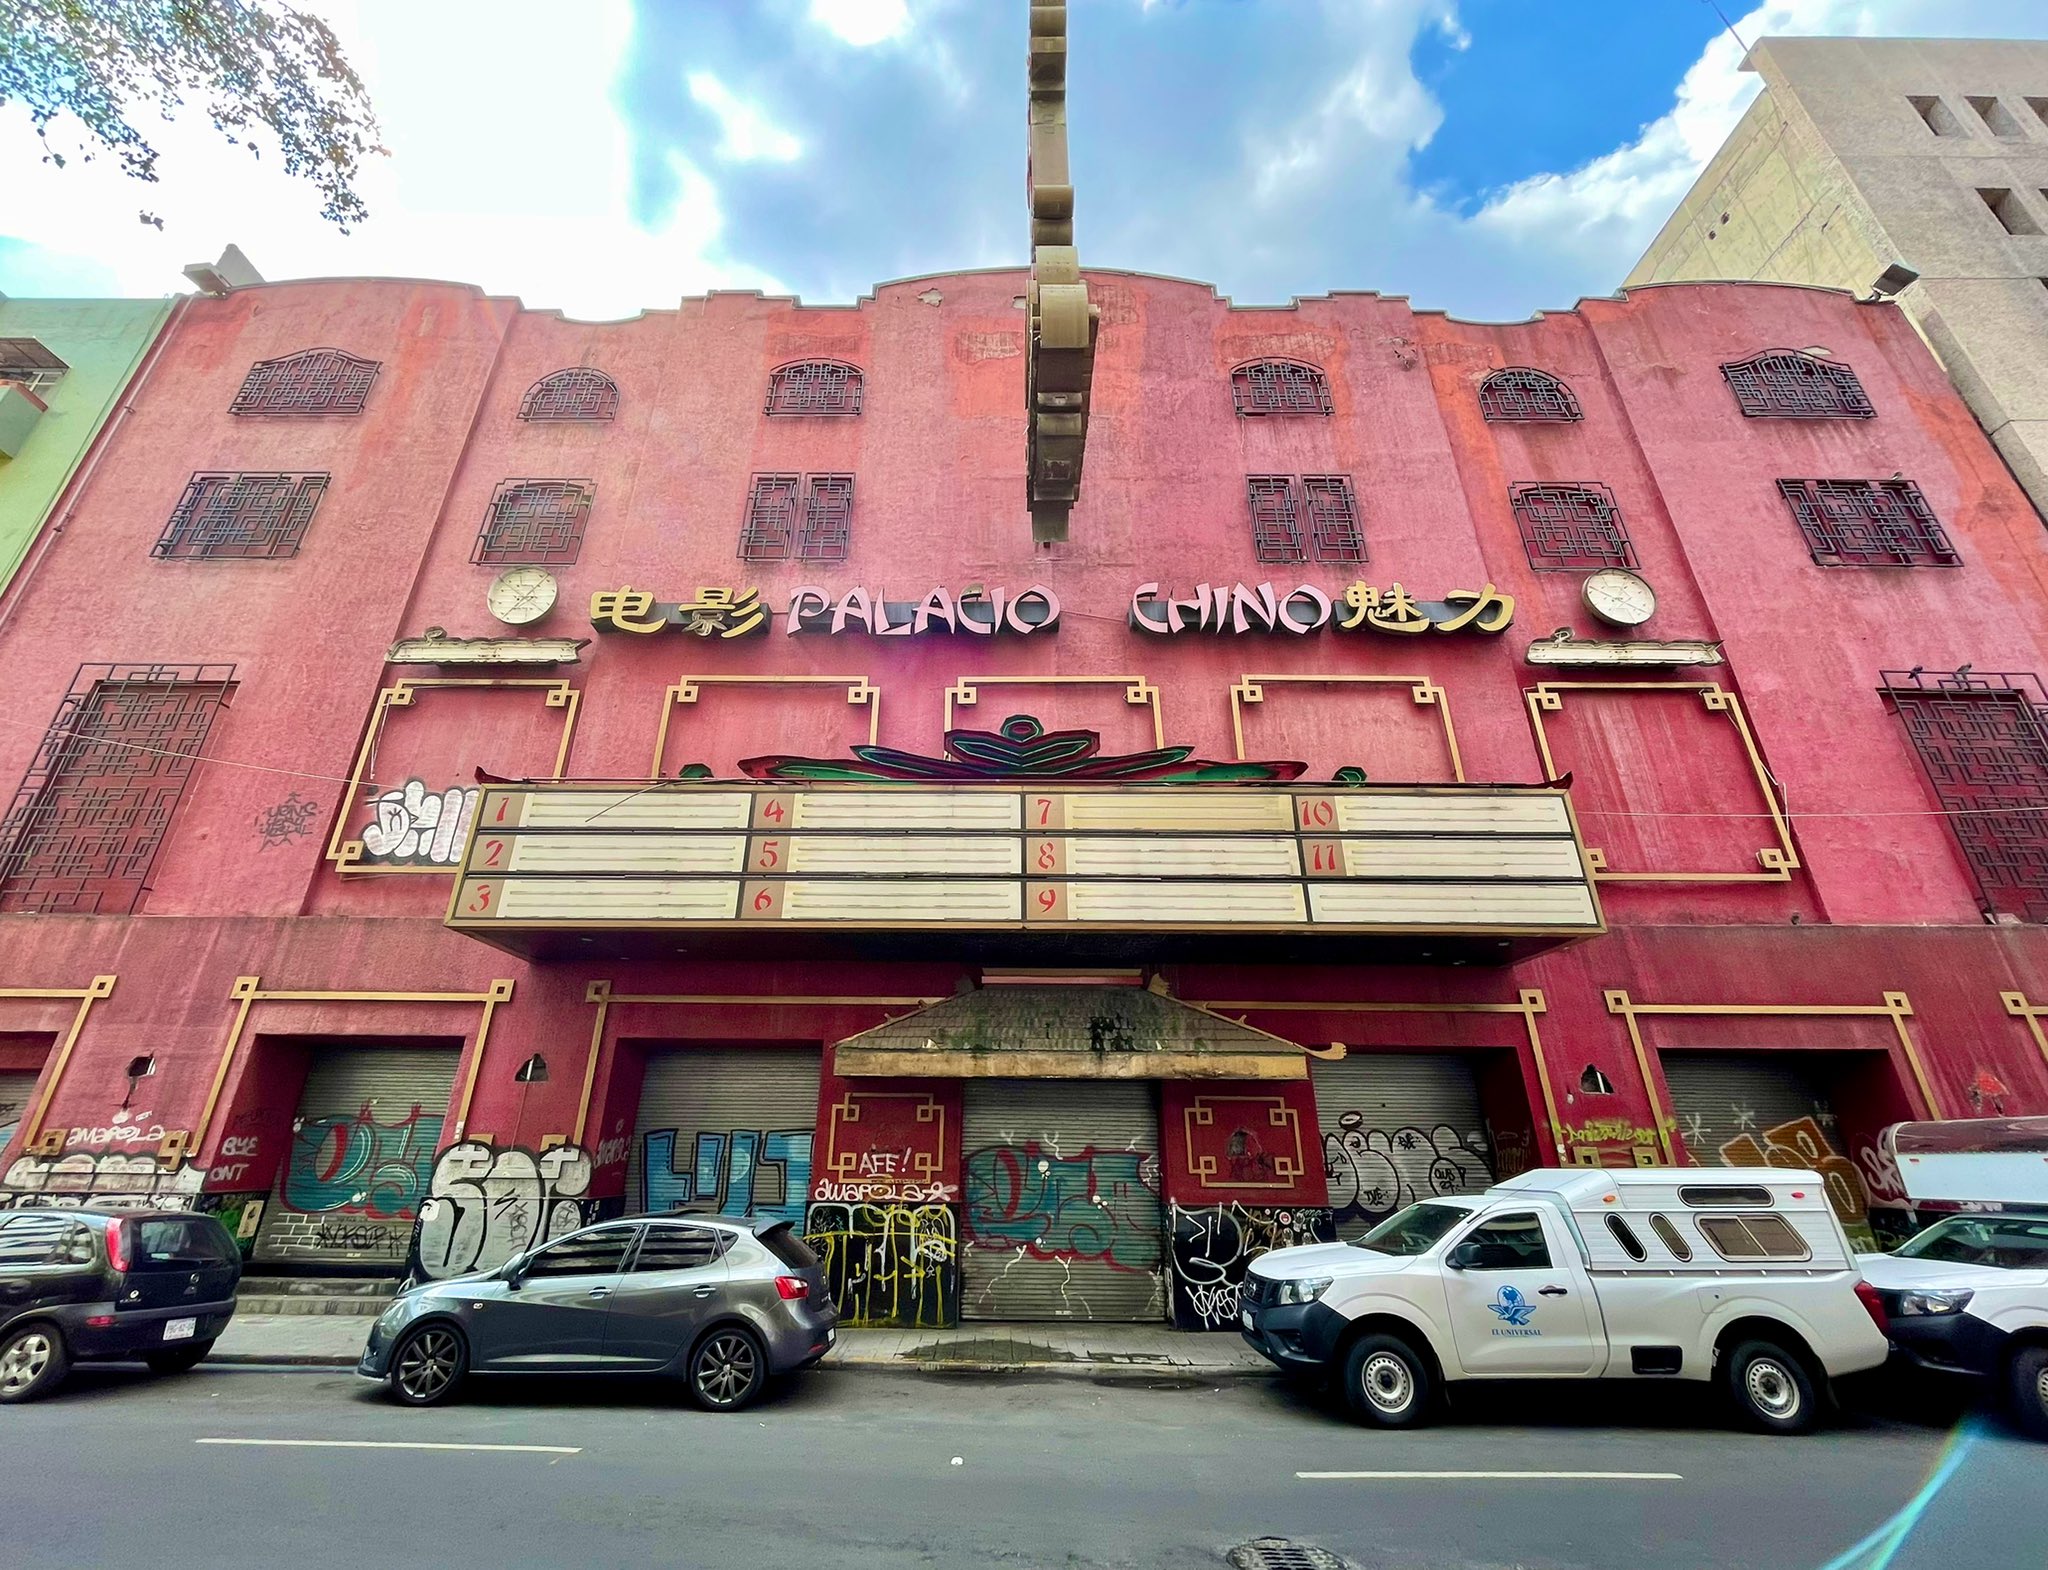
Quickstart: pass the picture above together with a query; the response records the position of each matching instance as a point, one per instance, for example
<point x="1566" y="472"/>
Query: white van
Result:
<point x="1737" y="1275"/>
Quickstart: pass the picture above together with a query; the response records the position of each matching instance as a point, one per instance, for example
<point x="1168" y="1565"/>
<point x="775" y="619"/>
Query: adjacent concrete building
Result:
<point x="1863" y="152"/>
<point x="63" y="365"/>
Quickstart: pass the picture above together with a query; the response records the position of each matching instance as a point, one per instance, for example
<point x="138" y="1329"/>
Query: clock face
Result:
<point x="520" y="595"/>
<point x="1619" y="598"/>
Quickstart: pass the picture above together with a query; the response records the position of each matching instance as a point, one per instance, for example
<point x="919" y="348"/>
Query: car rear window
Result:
<point x="164" y="1242"/>
<point x="1753" y="1237"/>
<point x="27" y="1241"/>
<point x="679" y="1248"/>
<point x="781" y="1241"/>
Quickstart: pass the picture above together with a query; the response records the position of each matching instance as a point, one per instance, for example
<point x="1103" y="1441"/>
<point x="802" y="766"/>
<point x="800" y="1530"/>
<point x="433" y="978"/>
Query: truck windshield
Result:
<point x="1414" y="1230"/>
<point x="2006" y="1242"/>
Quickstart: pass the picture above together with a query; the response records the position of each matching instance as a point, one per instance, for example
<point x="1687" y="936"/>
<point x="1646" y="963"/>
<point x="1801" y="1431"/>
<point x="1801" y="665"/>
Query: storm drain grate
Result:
<point x="1280" y="1553"/>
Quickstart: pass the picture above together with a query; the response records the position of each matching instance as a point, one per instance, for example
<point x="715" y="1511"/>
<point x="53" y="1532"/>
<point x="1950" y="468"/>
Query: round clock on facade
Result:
<point x="1618" y="597"/>
<point x="519" y="595"/>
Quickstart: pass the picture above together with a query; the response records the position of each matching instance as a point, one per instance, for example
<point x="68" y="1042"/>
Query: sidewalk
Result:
<point x="1072" y="1351"/>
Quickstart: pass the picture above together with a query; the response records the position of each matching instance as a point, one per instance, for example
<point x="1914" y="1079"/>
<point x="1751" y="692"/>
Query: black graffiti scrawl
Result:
<point x="890" y="1264"/>
<point x="1214" y="1246"/>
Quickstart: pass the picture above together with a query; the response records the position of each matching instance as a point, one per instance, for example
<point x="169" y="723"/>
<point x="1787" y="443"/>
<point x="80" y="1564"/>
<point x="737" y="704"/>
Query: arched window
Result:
<point x="575" y="394"/>
<point x="311" y="382"/>
<point x="1784" y="384"/>
<point x="1521" y="396"/>
<point x="1279" y="387"/>
<point x="814" y="387"/>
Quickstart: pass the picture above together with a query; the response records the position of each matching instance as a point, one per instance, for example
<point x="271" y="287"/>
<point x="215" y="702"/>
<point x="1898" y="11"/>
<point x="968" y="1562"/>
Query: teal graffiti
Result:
<point x="739" y="1172"/>
<point x="1100" y="1205"/>
<point x="354" y="1165"/>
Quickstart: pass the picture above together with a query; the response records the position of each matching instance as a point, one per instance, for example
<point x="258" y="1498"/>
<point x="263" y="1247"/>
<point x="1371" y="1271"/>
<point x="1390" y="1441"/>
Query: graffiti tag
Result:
<point x="1096" y="1205"/>
<point x="1374" y="1172"/>
<point x="737" y="1172"/>
<point x="1214" y="1246"/>
<point x="412" y="826"/>
<point x="889" y="1264"/>
<point x="486" y="1205"/>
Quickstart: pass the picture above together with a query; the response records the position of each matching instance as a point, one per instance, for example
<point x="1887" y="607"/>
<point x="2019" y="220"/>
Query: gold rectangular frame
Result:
<point x="966" y="692"/>
<point x="2016" y="1004"/>
<point x="1426" y="693"/>
<point x="1778" y="861"/>
<point x="1896" y="1007"/>
<point x="1528" y="1005"/>
<point x="347" y="854"/>
<point x="1200" y="1112"/>
<point x="859" y="690"/>
<point x="87" y="995"/>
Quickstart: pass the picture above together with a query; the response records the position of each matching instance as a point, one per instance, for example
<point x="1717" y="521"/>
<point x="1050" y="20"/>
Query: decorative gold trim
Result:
<point x="2016" y="1004"/>
<point x="87" y="995"/>
<point x="1251" y="689"/>
<point x="1529" y="1004"/>
<point x="249" y="991"/>
<point x="1137" y="689"/>
<point x="686" y="690"/>
<point x="845" y="1112"/>
<point x="1896" y="1007"/>
<point x="1779" y="861"/>
<point x="1201" y="1112"/>
<point x="347" y="854"/>
<point x="600" y="993"/>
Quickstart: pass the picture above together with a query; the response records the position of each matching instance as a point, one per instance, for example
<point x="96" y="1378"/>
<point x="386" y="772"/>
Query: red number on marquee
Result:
<point x="772" y="812"/>
<point x="766" y="856"/>
<point x="1047" y="860"/>
<point x="763" y="899"/>
<point x="479" y="899"/>
<point x="503" y="803"/>
<point x="1044" y="811"/>
<point x="493" y="849"/>
<point x="1322" y="858"/>
<point x="1317" y="814"/>
<point x="1047" y="898"/>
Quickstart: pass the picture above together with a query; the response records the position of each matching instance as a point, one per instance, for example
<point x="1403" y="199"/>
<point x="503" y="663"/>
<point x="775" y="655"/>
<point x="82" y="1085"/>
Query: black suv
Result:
<point x="158" y="1285"/>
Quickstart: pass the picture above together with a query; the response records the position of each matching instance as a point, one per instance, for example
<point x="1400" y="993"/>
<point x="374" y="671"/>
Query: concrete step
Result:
<point x="363" y="1296"/>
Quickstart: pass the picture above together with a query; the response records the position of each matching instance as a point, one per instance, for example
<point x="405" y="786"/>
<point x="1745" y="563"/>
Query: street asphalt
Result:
<point x="855" y="1469"/>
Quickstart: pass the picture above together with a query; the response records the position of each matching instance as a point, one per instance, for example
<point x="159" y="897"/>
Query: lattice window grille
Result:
<point x="91" y="811"/>
<point x="1571" y="528"/>
<point x="242" y="515"/>
<point x="1783" y="384"/>
<point x="1521" y="396"/>
<point x="1276" y="519"/>
<point x="828" y="519"/>
<point x="534" y="522"/>
<point x="313" y="382"/>
<point x="815" y="387"/>
<point x="28" y="362"/>
<point x="1279" y="387"/>
<point x="1868" y="523"/>
<point x="1333" y="529"/>
<point x="577" y="394"/>
<point x="1982" y="740"/>
<point x="794" y="517"/>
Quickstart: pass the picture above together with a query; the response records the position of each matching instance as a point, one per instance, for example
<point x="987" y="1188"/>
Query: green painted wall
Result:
<point x="103" y="341"/>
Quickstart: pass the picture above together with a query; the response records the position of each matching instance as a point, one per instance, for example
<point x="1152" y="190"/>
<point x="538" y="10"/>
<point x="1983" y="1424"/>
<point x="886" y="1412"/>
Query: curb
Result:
<point x="1123" y="1373"/>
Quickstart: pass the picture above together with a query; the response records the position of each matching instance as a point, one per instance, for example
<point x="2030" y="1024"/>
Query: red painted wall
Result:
<point x="1882" y="903"/>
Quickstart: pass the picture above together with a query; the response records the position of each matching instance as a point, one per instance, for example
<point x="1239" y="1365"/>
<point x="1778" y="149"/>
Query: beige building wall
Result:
<point x="1862" y="152"/>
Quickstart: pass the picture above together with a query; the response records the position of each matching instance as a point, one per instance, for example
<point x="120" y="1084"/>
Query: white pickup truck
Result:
<point x="1738" y="1275"/>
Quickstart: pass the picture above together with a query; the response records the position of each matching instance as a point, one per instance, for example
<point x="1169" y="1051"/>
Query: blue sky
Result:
<point x="1492" y="157"/>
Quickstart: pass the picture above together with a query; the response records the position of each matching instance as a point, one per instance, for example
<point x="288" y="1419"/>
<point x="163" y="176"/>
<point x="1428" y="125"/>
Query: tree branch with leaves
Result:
<point x="263" y="74"/>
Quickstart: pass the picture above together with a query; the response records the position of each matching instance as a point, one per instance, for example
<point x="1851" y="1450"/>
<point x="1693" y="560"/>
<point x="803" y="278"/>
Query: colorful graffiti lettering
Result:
<point x="412" y="826"/>
<point x="1097" y="1205"/>
<point x="1213" y="1248"/>
<point x="890" y="1264"/>
<point x="1374" y="1172"/>
<point x="739" y="1172"/>
<point x="116" y="1180"/>
<point x="354" y="1165"/>
<point x="485" y="1205"/>
<point x="1801" y="1146"/>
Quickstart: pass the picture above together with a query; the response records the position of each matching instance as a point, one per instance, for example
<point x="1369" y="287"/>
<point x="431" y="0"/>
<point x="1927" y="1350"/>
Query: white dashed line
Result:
<point x="392" y="1444"/>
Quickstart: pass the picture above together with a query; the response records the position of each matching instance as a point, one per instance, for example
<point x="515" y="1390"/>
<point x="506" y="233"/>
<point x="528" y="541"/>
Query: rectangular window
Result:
<point x="1937" y="116"/>
<point x="1995" y="115"/>
<point x="1740" y="1238"/>
<point x="534" y="522"/>
<point x="1982" y="741"/>
<point x="1868" y="523"/>
<point x="1510" y="1243"/>
<point x="242" y="515"/>
<point x="2009" y="210"/>
<point x="102" y="788"/>
<point x="796" y="517"/>
<point x="678" y="1248"/>
<point x="1310" y="518"/>
<point x="585" y="1254"/>
<point x="26" y="361"/>
<point x="1571" y="528"/>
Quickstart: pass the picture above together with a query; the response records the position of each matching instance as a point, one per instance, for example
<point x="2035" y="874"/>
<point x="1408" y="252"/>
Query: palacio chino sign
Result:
<point x="724" y="612"/>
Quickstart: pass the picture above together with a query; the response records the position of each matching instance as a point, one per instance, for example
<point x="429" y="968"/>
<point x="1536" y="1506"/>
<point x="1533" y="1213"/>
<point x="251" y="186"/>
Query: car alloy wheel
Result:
<point x="428" y="1365"/>
<point x="25" y="1361"/>
<point x="726" y="1370"/>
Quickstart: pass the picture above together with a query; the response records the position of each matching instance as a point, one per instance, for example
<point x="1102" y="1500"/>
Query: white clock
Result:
<point x="1618" y="597"/>
<point x="519" y="595"/>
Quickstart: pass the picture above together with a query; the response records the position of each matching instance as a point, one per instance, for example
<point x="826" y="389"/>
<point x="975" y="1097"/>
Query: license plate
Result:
<point x="1246" y="1316"/>
<point x="180" y="1329"/>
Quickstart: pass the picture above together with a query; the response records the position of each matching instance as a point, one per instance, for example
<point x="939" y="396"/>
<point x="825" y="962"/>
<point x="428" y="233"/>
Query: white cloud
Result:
<point x="862" y="23"/>
<point x="749" y="134"/>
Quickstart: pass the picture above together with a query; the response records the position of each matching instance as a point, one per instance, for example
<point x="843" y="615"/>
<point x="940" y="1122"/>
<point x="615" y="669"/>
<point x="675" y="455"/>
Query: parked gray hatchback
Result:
<point x="725" y="1304"/>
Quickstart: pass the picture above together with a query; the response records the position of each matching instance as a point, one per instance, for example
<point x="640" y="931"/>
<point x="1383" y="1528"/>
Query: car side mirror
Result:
<point x="1465" y="1256"/>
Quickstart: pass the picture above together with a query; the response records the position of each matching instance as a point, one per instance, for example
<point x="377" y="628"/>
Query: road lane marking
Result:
<point x="391" y="1444"/>
<point x="1605" y="1477"/>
